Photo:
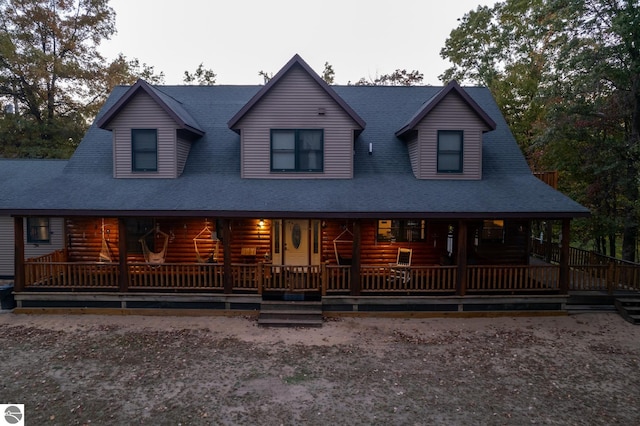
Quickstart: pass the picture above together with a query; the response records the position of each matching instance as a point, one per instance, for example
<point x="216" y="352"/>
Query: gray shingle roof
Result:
<point x="383" y="183"/>
<point x="172" y="106"/>
<point x="430" y="104"/>
<point x="20" y="176"/>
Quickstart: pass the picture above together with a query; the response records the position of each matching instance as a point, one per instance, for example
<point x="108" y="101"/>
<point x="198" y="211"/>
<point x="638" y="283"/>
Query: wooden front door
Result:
<point x="296" y="242"/>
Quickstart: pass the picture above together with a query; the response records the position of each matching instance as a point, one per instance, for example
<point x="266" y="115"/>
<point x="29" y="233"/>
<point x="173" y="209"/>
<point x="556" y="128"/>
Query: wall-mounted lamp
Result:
<point x="260" y="225"/>
<point x="370" y="148"/>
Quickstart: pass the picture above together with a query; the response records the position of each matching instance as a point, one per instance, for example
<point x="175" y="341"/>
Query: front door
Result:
<point x="296" y="242"/>
<point x="296" y="246"/>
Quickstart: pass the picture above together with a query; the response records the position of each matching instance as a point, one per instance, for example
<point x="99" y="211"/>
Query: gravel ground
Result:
<point x="121" y="370"/>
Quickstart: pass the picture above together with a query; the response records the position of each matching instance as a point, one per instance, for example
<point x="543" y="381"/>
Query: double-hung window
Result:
<point x="401" y="230"/>
<point x="450" y="151"/>
<point x="38" y="231"/>
<point x="297" y="150"/>
<point x="144" y="150"/>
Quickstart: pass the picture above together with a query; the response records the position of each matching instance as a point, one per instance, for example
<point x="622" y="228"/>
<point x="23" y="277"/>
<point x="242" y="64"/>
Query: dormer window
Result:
<point x="297" y="150"/>
<point x="450" y="151"/>
<point x="144" y="150"/>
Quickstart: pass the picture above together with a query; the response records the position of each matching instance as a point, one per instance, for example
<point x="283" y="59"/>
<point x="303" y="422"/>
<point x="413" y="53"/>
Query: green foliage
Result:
<point x="566" y="75"/>
<point x="328" y="74"/>
<point x="266" y="76"/>
<point x="51" y="70"/>
<point x="400" y="77"/>
<point x="26" y="137"/>
<point x="202" y="76"/>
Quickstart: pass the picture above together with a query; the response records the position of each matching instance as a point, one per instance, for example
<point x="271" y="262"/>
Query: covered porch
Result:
<point x="344" y="257"/>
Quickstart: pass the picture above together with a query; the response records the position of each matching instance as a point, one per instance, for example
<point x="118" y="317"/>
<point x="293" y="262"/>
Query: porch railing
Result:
<point x="169" y="276"/>
<point x="292" y="278"/>
<point x="71" y="275"/>
<point x="512" y="278"/>
<point x="385" y="278"/>
<point x="51" y="271"/>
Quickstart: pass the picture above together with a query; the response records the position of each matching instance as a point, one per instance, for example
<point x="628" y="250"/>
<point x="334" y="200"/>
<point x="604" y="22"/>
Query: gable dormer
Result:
<point x="444" y="137"/>
<point x="152" y="133"/>
<point x="296" y="127"/>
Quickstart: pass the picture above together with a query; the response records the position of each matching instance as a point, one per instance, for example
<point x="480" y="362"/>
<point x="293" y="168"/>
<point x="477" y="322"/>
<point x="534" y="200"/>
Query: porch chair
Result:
<point x="151" y="257"/>
<point x="345" y="237"/>
<point x="399" y="271"/>
<point x="105" y="252"/>
<point x="206" y="237"/>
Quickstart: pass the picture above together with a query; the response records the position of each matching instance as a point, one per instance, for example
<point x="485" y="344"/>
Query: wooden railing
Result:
<point x="609" y="278"/>
<point x="71" y="275"/>
<point x="292" y="278"/>
<point x="591" y="271"/>
<point x="512" y="278"/>
<point x="337" y="279"/>
<point x="385" y="278"/>
<point x="49" y="272"/>
<point x="170" y="276"/>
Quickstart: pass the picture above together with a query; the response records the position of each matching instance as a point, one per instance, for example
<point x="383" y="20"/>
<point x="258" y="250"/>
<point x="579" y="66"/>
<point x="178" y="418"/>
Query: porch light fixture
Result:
<point x="261" y="223"/>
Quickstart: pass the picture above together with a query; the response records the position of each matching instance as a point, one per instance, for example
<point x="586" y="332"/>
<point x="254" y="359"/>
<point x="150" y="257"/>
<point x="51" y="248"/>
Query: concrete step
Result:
<point x="290" y="305"/>
<point x="275" y="322"/>
<point x="629" y="309"/>
<point x="590" y="308"/>
<point x="629" y="300"/>
<point x="274" y="313"/>
<point x="294" y="313"/>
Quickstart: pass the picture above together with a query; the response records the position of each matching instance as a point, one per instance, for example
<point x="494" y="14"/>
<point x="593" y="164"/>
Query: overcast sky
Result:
<point x="238" y="38"/>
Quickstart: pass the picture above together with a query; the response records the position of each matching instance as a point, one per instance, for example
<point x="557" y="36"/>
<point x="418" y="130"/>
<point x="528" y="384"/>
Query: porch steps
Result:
<point x="629" y="308"/>
<point x="276" y="313"/>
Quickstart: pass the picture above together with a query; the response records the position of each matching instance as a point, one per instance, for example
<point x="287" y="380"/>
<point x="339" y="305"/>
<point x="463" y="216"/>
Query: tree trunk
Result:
<point x="612" y="245"/>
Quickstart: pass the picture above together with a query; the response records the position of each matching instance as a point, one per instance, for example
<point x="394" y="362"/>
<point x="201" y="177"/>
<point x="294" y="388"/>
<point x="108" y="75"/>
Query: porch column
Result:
<point x="548" y="242"/>
<point x="461" y="284"/>
<point x="355" y="258"/>
<point x="123" y="278"/>
<point x="226" y="238"/>
<point x="18" y="261"/>
<point x="564" y="256"/>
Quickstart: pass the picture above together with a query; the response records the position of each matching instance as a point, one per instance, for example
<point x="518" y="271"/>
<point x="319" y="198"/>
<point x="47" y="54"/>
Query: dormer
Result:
<point x="297" y="127"/>
<point x="444" y="137"/>
<point x="152" y="133"/>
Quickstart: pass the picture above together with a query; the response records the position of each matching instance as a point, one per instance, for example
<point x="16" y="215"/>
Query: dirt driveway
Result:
<point x="121" y="370"/>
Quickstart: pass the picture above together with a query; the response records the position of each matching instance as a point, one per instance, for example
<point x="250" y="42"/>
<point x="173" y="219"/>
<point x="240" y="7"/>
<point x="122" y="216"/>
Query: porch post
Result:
<point x="461" y="285"/>
<point x="548" y="242"/>
<point x="18" y="261"/>
<point x="123" y="279"/>
<point x="564" y="256"/>
<point x="226" y="239"/>
<point x="355" y="258"/>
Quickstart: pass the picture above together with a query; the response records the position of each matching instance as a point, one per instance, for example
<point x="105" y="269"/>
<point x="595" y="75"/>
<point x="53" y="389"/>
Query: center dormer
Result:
<point x="297" y="127"/>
